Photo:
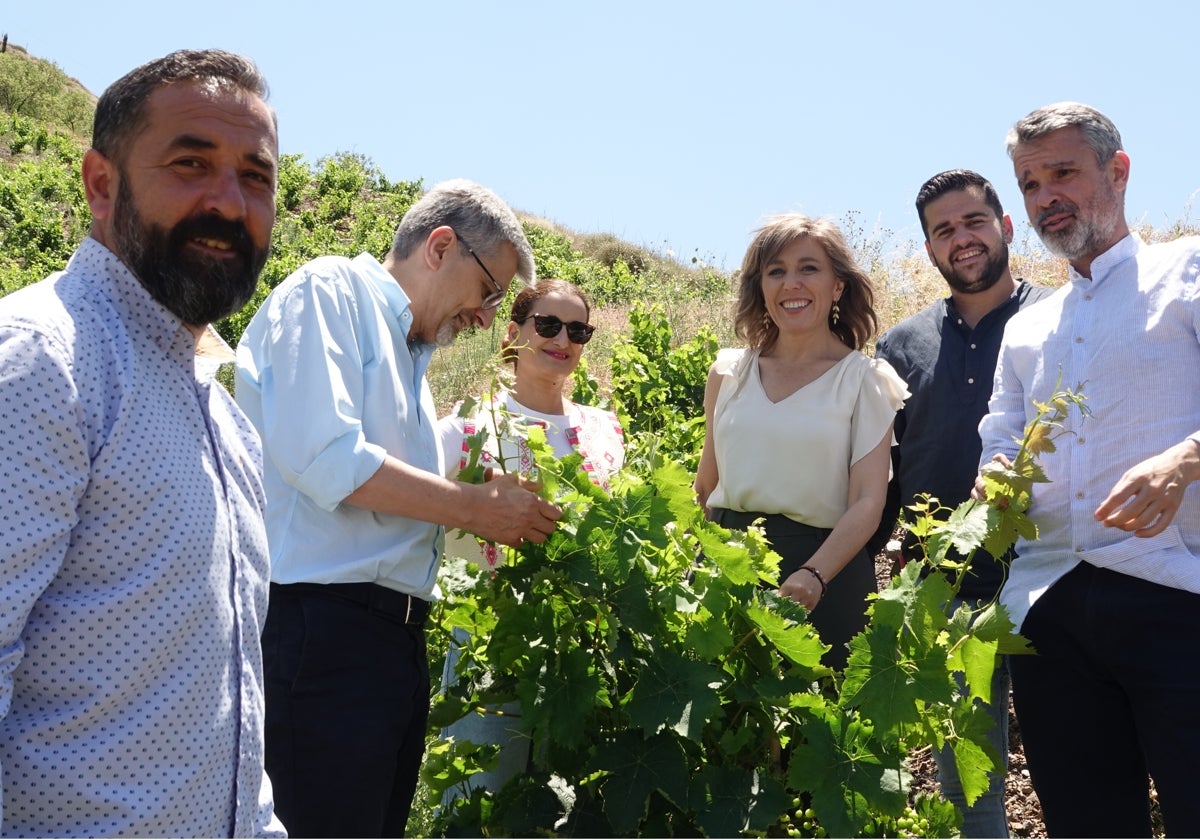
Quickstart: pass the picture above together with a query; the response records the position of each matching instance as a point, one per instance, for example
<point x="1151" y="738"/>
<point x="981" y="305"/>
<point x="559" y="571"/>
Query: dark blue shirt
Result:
<point x="949" y="369"/>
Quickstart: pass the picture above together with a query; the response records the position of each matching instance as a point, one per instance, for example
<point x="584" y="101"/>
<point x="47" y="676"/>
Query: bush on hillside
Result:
<point x="41" y="91"/>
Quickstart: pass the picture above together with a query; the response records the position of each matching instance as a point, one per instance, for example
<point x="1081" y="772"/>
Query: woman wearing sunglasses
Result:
<point x="544" y="342"/>
<point x="799" y="424"/>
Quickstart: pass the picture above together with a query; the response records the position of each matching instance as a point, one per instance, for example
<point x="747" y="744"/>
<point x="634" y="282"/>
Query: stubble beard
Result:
<point x="1084" y="237"/>
<point x="992" y="272"/>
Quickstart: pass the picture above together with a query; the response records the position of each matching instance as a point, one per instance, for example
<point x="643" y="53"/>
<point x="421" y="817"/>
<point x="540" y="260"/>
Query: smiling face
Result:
<point x="554" y="358"/>
<point x="190" y="204"/>
<point x="467" y="286"/>
<point x="967" y="242"/>
<point x="799" y="287"/>
<point x="1075" y="203"/>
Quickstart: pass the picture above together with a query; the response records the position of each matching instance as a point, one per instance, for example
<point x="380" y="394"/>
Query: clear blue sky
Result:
<point x="681" y="125"/>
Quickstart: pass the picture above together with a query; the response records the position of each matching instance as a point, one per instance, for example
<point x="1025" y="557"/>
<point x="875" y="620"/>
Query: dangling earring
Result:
<point x="836" y="313"/>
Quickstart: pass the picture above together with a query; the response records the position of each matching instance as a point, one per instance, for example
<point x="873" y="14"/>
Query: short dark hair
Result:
<point x="120" y="108"/>
<point x="953" y="180"/>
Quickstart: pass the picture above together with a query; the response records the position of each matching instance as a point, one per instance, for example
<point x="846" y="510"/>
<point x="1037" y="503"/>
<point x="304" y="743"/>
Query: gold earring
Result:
<point x="836" y="313"/>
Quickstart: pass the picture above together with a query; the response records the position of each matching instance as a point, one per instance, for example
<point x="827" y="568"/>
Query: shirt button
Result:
<point x="970" y="380"/>
<point x="1081" y="440"/>
<point x="1079" y="340"/>
<point x="1087" y="297"/>
<point x="1078" y="549"/>
<point x="1079" y="495"/>
<point x="972" y="346"/>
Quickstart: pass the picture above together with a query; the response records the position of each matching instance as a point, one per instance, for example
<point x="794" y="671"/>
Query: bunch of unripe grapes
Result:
<point x="803" y="823"/>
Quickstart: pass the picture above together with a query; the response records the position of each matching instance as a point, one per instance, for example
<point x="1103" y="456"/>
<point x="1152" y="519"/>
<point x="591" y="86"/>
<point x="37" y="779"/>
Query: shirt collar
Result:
<point x="133" y="301"/>
<point x="1104" y="264"/>
<point x="397" y="300"/>
<point x="399" y="304"/>
<point x="952" y="314"/>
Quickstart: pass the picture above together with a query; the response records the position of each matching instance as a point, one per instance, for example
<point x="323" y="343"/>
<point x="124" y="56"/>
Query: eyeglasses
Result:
<point x="548" y="326"/>
<point x="493" y="300"/>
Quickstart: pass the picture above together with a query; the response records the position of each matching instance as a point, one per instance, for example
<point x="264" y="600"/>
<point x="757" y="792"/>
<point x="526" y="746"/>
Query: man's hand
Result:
<point x="1148" y="495"/>
<point x="979" y="491"/>
<point x="513" y="512"/>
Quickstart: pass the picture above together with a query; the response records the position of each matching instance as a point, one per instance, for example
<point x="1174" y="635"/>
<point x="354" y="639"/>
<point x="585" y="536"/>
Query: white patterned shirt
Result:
<point x="133" y="571"/>
<point x="1129" y="340"/>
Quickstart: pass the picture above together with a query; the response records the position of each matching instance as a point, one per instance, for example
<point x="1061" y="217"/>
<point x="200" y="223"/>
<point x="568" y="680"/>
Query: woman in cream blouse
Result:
<point x="799" y="423"/>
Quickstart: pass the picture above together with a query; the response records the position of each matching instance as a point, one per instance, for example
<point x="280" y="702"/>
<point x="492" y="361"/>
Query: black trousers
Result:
<point x="1111" y="698"/>
<point x="347" y="702"/>
<point x="842" y="613"/>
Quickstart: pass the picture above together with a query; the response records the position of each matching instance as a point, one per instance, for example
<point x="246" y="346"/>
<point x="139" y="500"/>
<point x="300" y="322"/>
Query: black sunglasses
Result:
<point x="548" y="326"/>
<point x="492" y="300"/>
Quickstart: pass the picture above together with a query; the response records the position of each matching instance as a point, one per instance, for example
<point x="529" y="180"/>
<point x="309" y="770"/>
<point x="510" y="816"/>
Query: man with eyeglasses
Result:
<point x="331" y="370"/>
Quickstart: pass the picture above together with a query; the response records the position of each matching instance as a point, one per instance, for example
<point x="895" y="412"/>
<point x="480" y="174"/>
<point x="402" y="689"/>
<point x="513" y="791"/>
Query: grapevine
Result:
<point x="665" y="689"/>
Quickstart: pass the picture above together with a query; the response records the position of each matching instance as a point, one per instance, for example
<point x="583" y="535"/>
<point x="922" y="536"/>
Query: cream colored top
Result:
<point x="794" y="456"/>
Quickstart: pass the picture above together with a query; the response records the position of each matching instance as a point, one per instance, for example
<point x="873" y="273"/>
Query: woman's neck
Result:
<point x="546" y="397"/>
<point x="811" y="347"/>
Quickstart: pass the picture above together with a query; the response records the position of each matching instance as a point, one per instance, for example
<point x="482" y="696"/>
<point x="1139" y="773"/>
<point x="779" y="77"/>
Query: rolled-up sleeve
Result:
<point x="308" y="360"/>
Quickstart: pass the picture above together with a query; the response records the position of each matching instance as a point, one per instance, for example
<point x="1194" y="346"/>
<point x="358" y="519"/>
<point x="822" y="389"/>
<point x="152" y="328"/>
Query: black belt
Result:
<point x="405" y="608"/>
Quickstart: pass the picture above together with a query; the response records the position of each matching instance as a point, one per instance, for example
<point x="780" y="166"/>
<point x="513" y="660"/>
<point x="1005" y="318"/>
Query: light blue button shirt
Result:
<point x="327" y="376"/>
<point x="1129" y="339"/>
<point x="133" y="571"/>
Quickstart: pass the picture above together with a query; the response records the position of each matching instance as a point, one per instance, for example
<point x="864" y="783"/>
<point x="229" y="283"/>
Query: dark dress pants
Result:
<point x="1111" y="697"/>
<point x="347" y="702"/>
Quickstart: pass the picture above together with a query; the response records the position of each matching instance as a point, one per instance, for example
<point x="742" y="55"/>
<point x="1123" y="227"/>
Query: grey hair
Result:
<point x="1098" y="131"/>
<point x="476" y="214"/>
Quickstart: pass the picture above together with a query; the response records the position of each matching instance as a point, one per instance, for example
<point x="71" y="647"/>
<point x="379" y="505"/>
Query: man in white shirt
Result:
<point x="331" y="370"/>
<point x="133" y="557"/>
<point x="1107" y="592"/>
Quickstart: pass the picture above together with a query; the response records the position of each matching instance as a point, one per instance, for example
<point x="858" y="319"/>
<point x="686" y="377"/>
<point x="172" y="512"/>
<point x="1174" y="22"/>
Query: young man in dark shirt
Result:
<point x="947" y="355"/>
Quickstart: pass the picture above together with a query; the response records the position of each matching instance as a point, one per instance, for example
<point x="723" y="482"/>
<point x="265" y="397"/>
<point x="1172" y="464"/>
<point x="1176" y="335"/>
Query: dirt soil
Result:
<point x="1021" y="802"/>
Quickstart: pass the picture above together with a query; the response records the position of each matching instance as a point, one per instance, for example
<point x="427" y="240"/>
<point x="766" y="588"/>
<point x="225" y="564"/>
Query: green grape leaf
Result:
<point x="730" y="801"/>
<point x="562" y="698"/>
<point x="636" y="767"/>
<point x="798" y="642"/>
<point x="973" y="753"/>
<point x="675" y="692"/>
<point x="735" y="552"/>
<point x="847" y="772"/>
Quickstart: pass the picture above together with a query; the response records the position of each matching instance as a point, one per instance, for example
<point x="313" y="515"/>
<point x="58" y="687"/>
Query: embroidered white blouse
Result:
<point x="594" y="433"/>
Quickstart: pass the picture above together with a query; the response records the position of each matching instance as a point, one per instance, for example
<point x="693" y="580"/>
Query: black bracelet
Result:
<point x="820" y="580"/>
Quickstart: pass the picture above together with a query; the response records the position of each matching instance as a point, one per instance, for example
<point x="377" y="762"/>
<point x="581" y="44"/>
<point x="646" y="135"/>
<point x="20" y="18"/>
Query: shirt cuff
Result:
<point x="342" y="468"/>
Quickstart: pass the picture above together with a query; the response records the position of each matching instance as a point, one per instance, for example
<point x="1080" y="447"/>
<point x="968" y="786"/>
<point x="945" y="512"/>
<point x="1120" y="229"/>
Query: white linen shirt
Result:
<point x="326" y="374"/>
<point x="133" y="571"/>
<point x="1129" y="340"/>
